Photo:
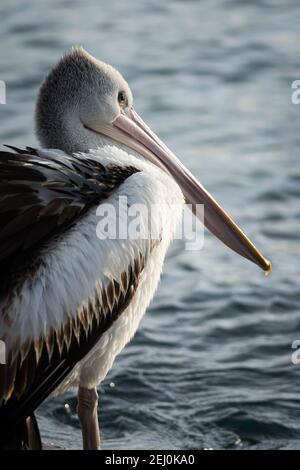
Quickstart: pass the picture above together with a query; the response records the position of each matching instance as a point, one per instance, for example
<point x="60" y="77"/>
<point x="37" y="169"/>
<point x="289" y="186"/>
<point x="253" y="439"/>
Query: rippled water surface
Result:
<point x="211" y="364"/>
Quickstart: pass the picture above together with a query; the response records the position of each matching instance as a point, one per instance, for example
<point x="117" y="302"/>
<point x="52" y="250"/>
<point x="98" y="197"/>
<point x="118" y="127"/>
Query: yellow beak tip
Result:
<point x="268" y="268"/>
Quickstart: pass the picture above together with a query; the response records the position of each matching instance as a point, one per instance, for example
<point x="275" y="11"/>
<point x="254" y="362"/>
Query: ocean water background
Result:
<point x="210" y="366"/>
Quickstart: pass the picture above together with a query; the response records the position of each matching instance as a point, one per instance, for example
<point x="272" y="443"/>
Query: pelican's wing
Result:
<point x="42" y="198"/>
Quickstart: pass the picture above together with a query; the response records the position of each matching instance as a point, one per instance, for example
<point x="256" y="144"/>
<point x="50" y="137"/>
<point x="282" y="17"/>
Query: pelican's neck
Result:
<point x="65" y="131"/>
<point x="62" y="129"/>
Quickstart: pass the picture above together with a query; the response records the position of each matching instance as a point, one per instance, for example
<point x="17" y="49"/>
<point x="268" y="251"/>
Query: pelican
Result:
<point x="70" y="300"/>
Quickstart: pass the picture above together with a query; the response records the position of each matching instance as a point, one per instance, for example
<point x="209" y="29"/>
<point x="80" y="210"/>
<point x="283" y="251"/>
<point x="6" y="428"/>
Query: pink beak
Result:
<point x="130" y="129"/>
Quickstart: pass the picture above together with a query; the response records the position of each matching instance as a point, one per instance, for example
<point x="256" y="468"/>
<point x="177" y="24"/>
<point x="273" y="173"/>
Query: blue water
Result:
<point x="211" y="364"/>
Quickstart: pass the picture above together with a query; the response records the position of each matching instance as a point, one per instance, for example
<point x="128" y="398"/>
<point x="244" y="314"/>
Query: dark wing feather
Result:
<point x="40" y="197"/>
<point x="34" y="382"/>
<point x="28" y="150"/>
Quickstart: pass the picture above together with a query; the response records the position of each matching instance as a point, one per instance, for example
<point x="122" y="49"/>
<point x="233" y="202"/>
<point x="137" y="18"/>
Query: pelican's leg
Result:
<point x="87" y="405"/>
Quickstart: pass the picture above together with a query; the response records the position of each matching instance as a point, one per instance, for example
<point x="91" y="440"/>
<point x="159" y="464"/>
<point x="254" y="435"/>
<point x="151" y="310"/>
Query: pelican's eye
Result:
<point x="122" y="98"/>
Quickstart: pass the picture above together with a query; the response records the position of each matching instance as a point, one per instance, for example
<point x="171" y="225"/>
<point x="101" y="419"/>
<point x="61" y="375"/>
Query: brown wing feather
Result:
<point x="34" y="371"/>
<point x="41" y="197"/>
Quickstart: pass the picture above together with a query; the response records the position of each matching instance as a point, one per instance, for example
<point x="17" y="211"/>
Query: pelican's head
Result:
<point x="84" y="102"/>
<point x="79" y="94"/>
